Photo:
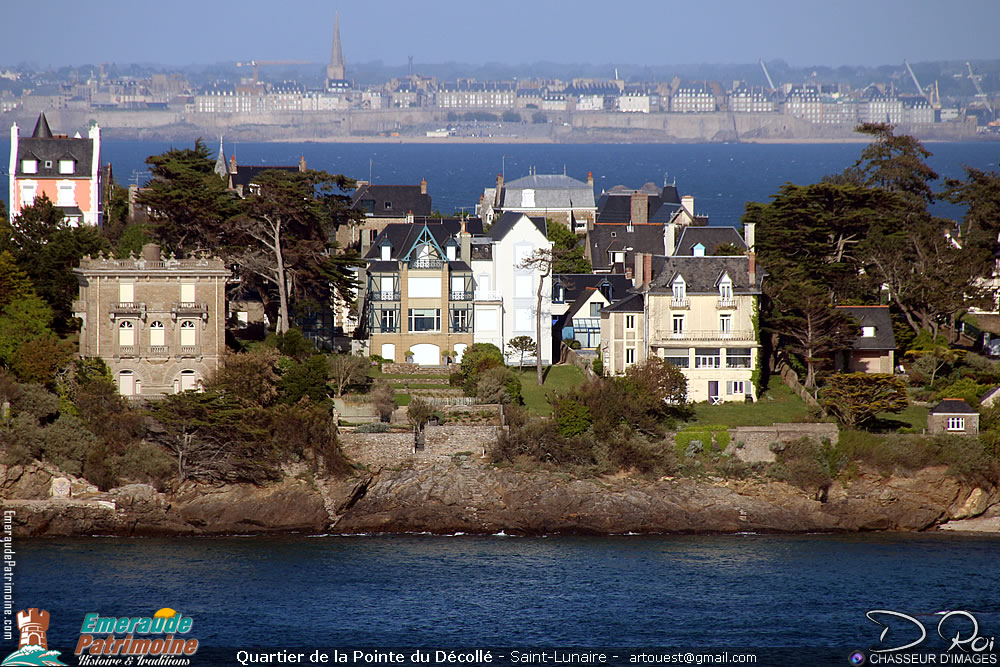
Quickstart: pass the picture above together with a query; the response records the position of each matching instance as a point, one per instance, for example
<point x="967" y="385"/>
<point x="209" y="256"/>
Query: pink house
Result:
<point x="66" y="169"/>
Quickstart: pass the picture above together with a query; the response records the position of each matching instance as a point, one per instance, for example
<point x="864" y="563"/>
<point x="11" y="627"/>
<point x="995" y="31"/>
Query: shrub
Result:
<point x="598" y="366"/>
<point x="965" y="388"/>
<point x="857" y="398"/>
<point x="419" y="413"/>
<point x="146" y="463"/>
<point x="499" y="385"/>
<point x="373" y="427"/>
<point x="384" y="400"/>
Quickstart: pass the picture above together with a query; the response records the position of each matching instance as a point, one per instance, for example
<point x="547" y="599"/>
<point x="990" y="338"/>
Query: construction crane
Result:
<point x="257" y="63"/>
<point x="767" y="75"/>
<point x="927" y="93"/>
<point x="980" y="95"/>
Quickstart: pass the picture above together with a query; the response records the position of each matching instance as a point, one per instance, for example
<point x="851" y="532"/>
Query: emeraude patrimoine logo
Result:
<point x="33" y="648"/>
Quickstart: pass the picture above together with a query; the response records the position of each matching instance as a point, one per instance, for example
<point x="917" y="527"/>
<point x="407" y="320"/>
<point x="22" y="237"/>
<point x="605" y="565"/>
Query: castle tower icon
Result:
<point x="33" y="624"/>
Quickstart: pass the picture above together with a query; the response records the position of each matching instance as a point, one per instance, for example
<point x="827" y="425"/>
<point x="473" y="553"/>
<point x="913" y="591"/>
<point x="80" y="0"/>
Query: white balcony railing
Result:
<point x="680" y="303"/>
<point x="725" y="304"/>
<point x="704" y="335"/>
<point x="487" y="295"/>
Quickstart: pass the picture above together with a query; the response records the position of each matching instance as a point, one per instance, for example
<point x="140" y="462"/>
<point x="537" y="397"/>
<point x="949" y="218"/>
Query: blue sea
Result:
<point x="721" y="177"/>
<point x="768" y="593"/>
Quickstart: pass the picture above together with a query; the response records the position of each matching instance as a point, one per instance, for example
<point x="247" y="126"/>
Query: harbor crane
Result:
<point x="257" y="63"/>
<point x="928" y="93"/>
<point x="767" y="75"/>
<point x="980" y="95"/>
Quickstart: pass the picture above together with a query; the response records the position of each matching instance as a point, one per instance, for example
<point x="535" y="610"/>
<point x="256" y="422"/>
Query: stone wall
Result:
<point x="379" y="449"/>
<point x="753" y="443"/>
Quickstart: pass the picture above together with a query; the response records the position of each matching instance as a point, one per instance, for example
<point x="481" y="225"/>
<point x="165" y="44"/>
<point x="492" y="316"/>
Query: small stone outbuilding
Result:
<point x="955" y="416"/>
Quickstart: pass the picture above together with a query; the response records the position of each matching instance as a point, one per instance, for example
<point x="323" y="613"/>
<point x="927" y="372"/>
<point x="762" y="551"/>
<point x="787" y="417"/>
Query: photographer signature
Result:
<point x="954" y="620"/>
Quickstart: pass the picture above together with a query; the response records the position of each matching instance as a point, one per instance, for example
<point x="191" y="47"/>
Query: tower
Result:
<point x="33" y="624"/>
<point x="335" y="71"/>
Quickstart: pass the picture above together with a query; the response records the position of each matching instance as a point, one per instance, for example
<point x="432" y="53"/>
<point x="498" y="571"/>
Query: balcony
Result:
<point x="666" y="336"/>
<point x="189" y="351"/>
<point x="128" y="351"/>
<point x="159" y="351"/>
<point x="460" y="296"/>
<point x="426" y="263"/>
<point x="487" y="295"/>
<point x="385" y="295"/>
<point x="128" y="309"/>
<point x="680" y="304"/>
<point x="726" y="304"/>
<point x="189" y="309"/>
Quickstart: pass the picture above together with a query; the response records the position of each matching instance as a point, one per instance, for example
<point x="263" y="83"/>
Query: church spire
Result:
<point x="220" y="163"/>
<point x="335" y="71"/>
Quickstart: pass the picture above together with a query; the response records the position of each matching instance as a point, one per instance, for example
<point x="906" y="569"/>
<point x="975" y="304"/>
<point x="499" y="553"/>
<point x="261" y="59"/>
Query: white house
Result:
<point x="506" y="295"/>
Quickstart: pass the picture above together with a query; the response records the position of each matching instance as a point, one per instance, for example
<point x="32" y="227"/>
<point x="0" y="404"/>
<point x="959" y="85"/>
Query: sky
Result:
<point x="637" y="32"/>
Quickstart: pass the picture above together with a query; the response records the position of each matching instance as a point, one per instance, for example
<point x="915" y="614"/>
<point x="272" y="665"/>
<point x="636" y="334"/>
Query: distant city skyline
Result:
<point x="633" y="32"/>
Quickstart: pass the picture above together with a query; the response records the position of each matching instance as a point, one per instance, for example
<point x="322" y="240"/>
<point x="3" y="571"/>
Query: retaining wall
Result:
<point x="753" y="443"/>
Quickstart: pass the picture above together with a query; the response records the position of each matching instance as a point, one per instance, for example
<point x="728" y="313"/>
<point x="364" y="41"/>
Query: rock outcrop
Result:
<point x="461" y="495"/>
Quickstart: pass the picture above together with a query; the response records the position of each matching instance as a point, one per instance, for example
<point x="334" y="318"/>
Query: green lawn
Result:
<point x="914" y="416"/>
<point x="777" y="404"/>
<point x="559" y="378"/>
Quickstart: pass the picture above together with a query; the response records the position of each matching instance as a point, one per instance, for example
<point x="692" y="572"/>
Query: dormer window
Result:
<point x="617" y="258"/>
<point x="67" y="166"/>
<point x="29" y="166"/>
<point x="450" y="251"/>
<point x="867" y="332"/>
<point x="388" y="206"/>
<point x="698" y="250"/>
<point x="386" y="252"/>
<point x="679" y="289"/>
<point x="606" y="291"/>
<point x="726" y="289"/>
<point x="559" y="294"/>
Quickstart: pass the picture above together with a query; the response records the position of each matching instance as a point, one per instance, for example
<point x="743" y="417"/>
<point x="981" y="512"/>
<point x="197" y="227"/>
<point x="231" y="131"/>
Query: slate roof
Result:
<point x="45" y="147"/>
<point x="603" y="238"/>
<point x="402" y="236"/>
<point x="872" y="316"/>
<point x="629" y="304"/>
<point x="401" y="199"/>
<point x="702" y="274"/>
<point x="502" y="225"/>
<point x="247" y="174"/>
<point x="551" y="191"/>
<point x="953" y="406"/>
<point x="576" y="284"/>
<point x="709" y="237"/>
<point x="615" y="205"/>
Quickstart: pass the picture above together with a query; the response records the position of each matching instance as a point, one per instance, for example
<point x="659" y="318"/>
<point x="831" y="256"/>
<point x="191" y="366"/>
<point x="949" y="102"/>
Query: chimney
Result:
<point x="647" y="268"/>
<point x="302" y="163"/>
<point x="637" y="274"/>
<point x="423" y="186"/>
<point x="151" y="252"/>
<point x="640" y="208"/>
<point x="749" y="236"/>
<point x="232" y="164"/>
<point x="409" y="217"/>
<point x="499" y="192"/>
<point x="752" y="272"/>
<point x="465" y="243"/>
<point x="687" y="201"/>
<point x="590" y="179"/>
<point x="670" y="238"/>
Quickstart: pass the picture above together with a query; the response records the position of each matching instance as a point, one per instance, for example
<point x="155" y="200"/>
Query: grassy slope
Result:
<point x="559" y="378"/>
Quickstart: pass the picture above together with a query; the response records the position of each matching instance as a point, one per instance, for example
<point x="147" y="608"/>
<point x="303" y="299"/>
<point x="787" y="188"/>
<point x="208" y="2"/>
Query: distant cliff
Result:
<point x="411" y="125"/>
<point x="460" y="495"/>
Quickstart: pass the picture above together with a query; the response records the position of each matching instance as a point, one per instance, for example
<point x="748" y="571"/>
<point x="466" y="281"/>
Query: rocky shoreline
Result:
<point x="462" y="496"/>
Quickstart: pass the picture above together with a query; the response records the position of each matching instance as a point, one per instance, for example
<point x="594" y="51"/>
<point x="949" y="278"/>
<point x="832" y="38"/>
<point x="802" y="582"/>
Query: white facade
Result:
<point x="506" y="297"/>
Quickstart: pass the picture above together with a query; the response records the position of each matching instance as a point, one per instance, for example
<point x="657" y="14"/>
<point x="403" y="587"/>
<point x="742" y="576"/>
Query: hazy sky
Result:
<point x="642" y="32"/>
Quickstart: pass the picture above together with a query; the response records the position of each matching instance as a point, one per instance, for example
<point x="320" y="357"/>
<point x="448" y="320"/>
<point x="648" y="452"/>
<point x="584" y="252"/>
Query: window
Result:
<point x="388" y="206"/>
<point x="29" y="166"/>
<point x="618" y="258"/>
<point x="126" y="333"/>
<point x="386" y="250"/>
<point x="707" y="357"/>
<point x="27" y="194"/>
<point x="389" y="321"/>
<point x="868" y="332"/>
<point x="678" y="361"/>
<point x="956" y="423"/>
<point x="630" y="321"/>
<point x="187" y="292"/>
<point x="425" y="319"/>
<point x="725" y="324"/>
<point x="66" y="195"/>
<point x="188" y="334"/>
<point x="126" y="383"/>
<point x="677" y="322"/>
<point x="606" y="291"/>
<point x="679" y="289"/>
<point x="595" y="309"/>
<point x="735" y="387"/>
<point x="67" y="166"/>
<point x="126" y="292"/>
<point x="629" y="356"/>
<point x="157" y="335"/>
<point x="738" y="357"/>
<point x="726" y="289"/>
<point x="460" y="320"/>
